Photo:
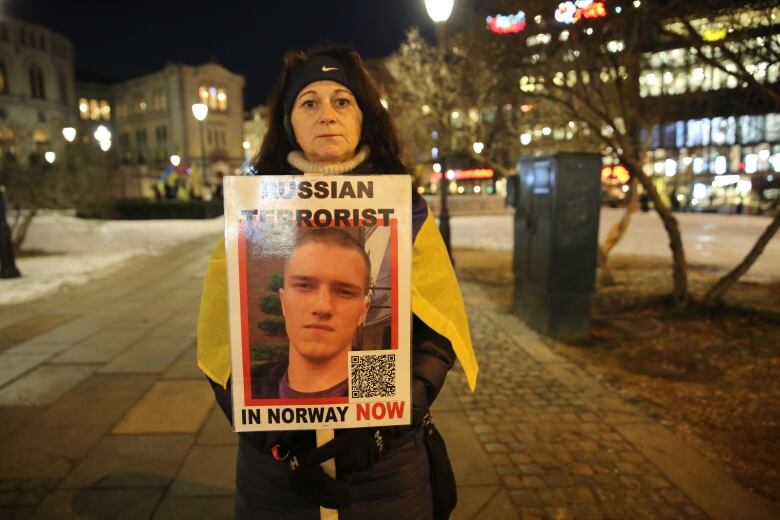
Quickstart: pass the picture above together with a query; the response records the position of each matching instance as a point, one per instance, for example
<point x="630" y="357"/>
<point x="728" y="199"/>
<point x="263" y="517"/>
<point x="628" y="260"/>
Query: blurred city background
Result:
<point x="606" y="174"/>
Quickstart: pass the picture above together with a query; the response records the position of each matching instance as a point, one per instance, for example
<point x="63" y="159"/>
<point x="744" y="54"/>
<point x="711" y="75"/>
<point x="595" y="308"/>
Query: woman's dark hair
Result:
<point x="379" y="131"/>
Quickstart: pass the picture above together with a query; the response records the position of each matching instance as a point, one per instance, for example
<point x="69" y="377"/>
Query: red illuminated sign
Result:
<point x="506" y="24"/>
<point x="614" y="175"/>
<point x="476" y="173"/>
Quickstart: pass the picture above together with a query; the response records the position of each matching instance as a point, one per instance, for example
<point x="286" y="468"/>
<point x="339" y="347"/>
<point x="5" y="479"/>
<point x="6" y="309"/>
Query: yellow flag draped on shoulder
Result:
<point x="436" y="300"/>
<point x="436" y="297"/>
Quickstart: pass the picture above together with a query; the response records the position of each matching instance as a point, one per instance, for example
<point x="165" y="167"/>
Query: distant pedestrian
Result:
<point x="644" y="202"/>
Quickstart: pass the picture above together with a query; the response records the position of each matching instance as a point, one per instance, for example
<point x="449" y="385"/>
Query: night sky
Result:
<point x="116" y="40"/>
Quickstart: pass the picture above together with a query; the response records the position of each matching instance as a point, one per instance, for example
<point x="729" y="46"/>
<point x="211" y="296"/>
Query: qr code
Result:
<point x="372" y="375"/>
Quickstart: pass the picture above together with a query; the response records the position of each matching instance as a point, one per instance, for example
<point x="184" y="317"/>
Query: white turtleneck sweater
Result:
<point x="299" y="162"/>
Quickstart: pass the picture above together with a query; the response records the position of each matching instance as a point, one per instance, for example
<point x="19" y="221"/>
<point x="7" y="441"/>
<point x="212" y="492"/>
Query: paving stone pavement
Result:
<point x="104" y="414"/>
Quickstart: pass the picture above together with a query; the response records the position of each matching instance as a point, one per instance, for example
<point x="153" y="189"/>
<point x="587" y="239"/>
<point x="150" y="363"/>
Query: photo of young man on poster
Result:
<point x="325" y="298"/>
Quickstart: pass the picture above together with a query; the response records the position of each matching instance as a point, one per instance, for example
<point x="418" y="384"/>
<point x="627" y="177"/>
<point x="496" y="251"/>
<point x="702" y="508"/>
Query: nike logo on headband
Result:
<point x="328" y="69"/>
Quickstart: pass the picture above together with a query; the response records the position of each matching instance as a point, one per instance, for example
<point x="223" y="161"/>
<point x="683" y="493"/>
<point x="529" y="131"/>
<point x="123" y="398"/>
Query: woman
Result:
<point x="326" y="118"/>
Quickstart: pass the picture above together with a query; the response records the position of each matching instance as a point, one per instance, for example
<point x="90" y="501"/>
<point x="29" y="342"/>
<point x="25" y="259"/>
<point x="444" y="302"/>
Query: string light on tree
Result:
<point x="572" y="12"/>
<point x="506" y="24"/>
<point x="593" y="10"/>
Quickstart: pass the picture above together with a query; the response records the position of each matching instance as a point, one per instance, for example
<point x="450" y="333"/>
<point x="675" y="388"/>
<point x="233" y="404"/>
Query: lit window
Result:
<point x="724" y="130"/>
<point x="649" y="84"/>
<point x="751" y="163"/>
<point x="751" y="129"/>
<point x="105" y="110"/>
<point x="94" y="109"/>
<point x="84" y="108"/>
<point x="677" y="83"/>
<point x="721" y="165"/>
<point x="215" y="97"/>
<point x="772" y="132"/>
<point x="698" y="165"/>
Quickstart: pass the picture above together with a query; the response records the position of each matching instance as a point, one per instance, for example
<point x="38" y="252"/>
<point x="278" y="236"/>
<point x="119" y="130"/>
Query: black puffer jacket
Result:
<point x="398" y="482"/>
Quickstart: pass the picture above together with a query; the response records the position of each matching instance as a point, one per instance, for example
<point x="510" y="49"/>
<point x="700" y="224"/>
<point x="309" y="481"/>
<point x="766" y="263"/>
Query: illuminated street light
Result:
<point x="102" y="134"/>
<point x="200" y="111"/>
<point x="478" y="147"/>
<point x="175" y="160"/>
<point x="69" y="133"/>
<point x="439" y="10"/>
<point x="246" y="145"/>
<point x="105" y="145"/>
<point x="50" y="157"/>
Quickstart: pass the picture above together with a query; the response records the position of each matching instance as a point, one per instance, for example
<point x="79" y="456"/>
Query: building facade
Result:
<point x="714" y="141"/>
<point x="723" y="152"/>
<point x="154" y="121"/>
<point x="37" y="88"/>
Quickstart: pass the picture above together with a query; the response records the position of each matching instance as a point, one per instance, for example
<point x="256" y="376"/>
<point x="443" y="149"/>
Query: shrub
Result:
<point x="271" y="304"/>
<point x="268" y="352"/>
<point x="276" y="282"/>
<point x="145" y="209"/>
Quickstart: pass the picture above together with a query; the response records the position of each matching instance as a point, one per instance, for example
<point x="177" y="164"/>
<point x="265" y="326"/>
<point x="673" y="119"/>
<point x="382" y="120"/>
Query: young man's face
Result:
<point x="323" y="299"/>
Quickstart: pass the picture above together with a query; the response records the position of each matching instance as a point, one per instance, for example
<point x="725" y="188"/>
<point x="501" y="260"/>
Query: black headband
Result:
<point x="316" y="68"/>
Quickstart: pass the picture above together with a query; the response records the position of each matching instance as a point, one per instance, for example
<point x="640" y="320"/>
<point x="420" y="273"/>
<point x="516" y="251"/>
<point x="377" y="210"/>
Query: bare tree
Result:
<point x="80" y="174"/>
<point x="585" y="77"/>
<point x="451" y="95"/>
<point x="591" y="71"/>
<point x="582" y="81"/>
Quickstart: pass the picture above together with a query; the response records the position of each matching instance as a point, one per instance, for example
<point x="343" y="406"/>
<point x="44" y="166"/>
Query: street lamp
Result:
<point x="200" y="111"/>
<point x="103" y="137"/>
<point x="69" y="133"/>
<point x="439" y="11"/>
<point x="175" y="160"/>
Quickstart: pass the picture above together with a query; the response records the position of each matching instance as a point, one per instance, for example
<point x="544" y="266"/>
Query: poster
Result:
<point x="319" y="274"/>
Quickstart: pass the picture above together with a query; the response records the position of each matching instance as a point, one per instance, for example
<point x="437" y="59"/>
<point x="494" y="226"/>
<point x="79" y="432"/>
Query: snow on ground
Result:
<point x="83" y="250"/>
<point x="89" y="249"/>
<point x="710" y="239"/>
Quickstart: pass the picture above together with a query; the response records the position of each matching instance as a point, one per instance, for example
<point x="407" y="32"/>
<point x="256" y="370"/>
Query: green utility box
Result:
<point x="556" y="241"/>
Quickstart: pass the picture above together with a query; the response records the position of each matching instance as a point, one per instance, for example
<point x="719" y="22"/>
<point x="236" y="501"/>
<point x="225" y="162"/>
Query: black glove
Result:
<point x="354" y="450"/>
<point x="308" y="479"/>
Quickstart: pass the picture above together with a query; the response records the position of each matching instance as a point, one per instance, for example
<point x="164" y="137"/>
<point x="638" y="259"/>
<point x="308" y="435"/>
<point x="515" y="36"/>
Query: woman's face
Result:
<point x="326" y="120"/>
